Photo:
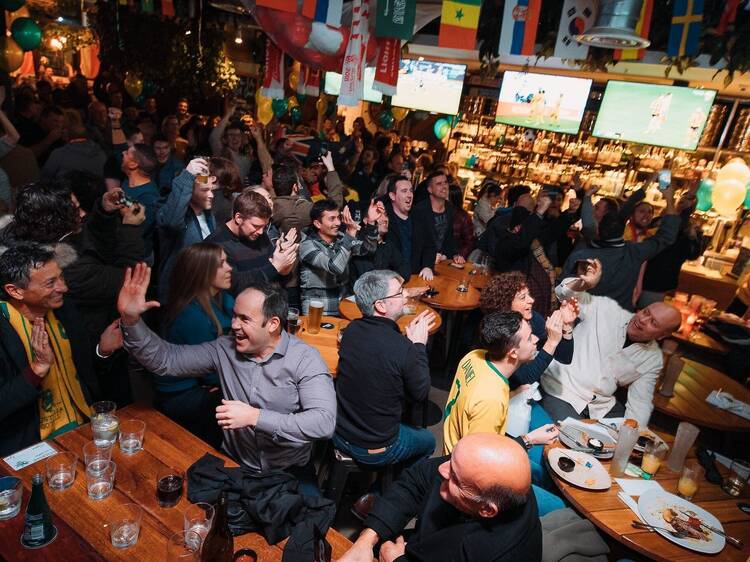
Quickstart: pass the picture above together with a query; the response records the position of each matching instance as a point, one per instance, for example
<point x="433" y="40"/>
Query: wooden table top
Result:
<point x="325" y="341"/>
<point x="605" y="510"/>
<point x="478" y="280"/>
<point x="701" y="340"/>
<point x="80" y="520"/>
<point x="448" y="298"/>
<point x="689" y="404"/>
<point x="349" y="310"/>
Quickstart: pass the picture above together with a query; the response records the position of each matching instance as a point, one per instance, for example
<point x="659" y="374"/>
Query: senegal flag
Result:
<point x="458" y="24"/>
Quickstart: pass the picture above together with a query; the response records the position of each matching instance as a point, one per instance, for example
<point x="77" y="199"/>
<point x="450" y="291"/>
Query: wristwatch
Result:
<point x="526" y="443"/>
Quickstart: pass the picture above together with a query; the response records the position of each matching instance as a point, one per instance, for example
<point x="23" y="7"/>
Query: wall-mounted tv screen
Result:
<point x="333" y="85"/>
<point x="542" y="101"/>
<point x="429" y="86"/>
<point x="670" y="116"/>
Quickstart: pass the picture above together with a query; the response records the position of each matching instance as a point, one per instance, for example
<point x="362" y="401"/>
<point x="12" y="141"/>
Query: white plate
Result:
<point x="582" y="433"/>
<point x="588" y="472"/>
<point x="650" y="507"/>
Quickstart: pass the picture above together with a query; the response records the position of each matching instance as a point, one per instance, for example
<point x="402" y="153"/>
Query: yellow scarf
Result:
<point x="62" y="405"/>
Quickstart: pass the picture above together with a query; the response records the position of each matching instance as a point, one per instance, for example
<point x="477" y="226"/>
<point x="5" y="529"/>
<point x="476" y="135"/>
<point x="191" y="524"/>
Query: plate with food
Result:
<point x="692" y="522"/>
<point x="579" y="469"/>
<point x="588" y="438"/>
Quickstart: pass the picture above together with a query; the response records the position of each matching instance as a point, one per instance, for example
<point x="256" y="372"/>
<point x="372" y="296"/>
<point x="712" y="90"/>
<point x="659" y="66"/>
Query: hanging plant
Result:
<point x="72" y="37"/>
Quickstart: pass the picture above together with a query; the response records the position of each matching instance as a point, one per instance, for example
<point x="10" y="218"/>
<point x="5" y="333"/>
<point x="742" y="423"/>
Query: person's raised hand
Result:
<point x="283" y="258"/>
<point x="111" y="339"/>
<point x="569" y="309"/>
<point x="327" y="160"/>
<point x="592" y="275"/>
<point x="554" y="327"/>
<point x="42" y="355"/>
<point x="197" y="167"/>
<point x="288" y="240"/>
<point x="359" y="146"/>
<point x="426" y="274"/>
<point x="131" y="302"/>
<point x="351" y="226"/>
<point x="374" y="212"/>
<point x="418" y="330"/>
<point x="543" y="203"/>
<point x="233" y="414"/>
<point x="111" y="200"/>
<point x="543" y="435"/>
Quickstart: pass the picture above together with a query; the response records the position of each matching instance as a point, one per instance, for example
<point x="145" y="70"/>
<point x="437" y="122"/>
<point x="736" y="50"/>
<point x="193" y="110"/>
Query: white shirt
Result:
<point x="205" y="231"/>
<point x="600" y="364"/>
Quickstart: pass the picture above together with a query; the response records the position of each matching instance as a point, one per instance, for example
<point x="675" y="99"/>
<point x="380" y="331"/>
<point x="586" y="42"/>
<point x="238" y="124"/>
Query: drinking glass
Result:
<point x="314" y="315"/>
<point x="738" y="475"/>
<point x="169" y="486"/>
<point x="292" y="321"/>
<point x="131" y="436"/>
<point x="198" y="518"/>
<point x="463" y="285"/>
<point x="672" y="371"/>
<point x="124" y="524"/>
<point x="95" y="457"/>
<point x="625" y="443"/>
<point x="686" y="436"/>
<point x="61" y="470"/>
<point x="103" y="407"/>
<point x="100" y="483"/>
<point x="653" y="455"/>
<point x="183" y="547"/>
<point x="11" y="494"/>
<point x="689" y="481"/>
<point x="104" y="428"/>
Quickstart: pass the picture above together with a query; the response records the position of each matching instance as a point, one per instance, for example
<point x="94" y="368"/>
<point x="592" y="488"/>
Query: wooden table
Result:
<point x="478" y="280"/>
<point x="689" y="404"/>
<point x="605" y="510"/>
<point x="709" y="282"/>
<point x="325" y="341"/>
<point x="448" y="298"/>
<point x="349" y="310"/>
<point x="701" y="340"/>
<point x="80" y="520"/>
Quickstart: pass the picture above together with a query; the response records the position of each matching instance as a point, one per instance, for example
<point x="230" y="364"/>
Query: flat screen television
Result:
<point x="671" y="116"/>
<point x="429" y="86"/>
<point x="333" y="85"/>
<point x="542" y="101"/>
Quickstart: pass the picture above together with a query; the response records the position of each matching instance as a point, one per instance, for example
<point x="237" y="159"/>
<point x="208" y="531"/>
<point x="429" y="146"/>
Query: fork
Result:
<point x="737" y="543"/>
<point x="676" y="534"/>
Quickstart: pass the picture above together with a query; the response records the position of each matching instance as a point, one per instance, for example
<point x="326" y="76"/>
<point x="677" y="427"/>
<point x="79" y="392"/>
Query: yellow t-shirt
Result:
<point x="478" y="400"/>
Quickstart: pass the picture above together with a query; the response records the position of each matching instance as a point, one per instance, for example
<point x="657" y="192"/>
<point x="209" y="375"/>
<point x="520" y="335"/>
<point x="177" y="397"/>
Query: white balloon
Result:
<point x="734" y="169"/>
<point x="727" y="196"/>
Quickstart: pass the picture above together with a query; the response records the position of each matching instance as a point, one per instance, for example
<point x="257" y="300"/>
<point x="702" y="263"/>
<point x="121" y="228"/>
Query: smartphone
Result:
<point x="582" y="265"/>
<point x="665" y="179"/>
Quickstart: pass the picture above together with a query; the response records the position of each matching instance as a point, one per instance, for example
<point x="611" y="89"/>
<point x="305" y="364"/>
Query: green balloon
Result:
<point x="296" y="114"/>
<point x="12" y="5"/>
<point x="26" y="33"/>
<point x="747" y="197"/>
<point x="279" y="107"/>
<point x="386" y="119"/>
<point x="704" y="195"/>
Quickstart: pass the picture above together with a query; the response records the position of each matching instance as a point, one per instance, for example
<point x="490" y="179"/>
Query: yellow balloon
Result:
<point x="293" y="102"/>
<point x="293" y="79"/>
<point x="259" y="97"/>
<point x="265" y="112"/>
<point x="11" y="55"/>
<point x="133" y="85"/>
<point x="727" y="196"/>
<point x="322" y="104"/>
<point x="399" y="113"/>
<point x="734" y="169"/>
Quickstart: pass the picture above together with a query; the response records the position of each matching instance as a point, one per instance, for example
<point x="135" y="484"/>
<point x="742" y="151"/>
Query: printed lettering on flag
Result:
<point x="577" y="17"/>
<point x="518" y="30"/>
<point x="395" y="18"/>
<point x="273" y="79"/>
<point x="352" y="72"/>
<point x="386" y="69"/>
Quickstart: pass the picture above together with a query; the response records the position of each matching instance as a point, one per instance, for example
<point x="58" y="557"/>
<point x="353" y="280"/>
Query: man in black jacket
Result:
<point x="475" y="506"/>
<point x="379" y="371"/>
<point x="42" y="340"/>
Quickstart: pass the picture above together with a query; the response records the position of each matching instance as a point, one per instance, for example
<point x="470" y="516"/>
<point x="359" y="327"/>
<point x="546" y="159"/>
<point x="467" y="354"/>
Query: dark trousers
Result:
<point x="559" y="409"/>
<point x="195" y="410"/>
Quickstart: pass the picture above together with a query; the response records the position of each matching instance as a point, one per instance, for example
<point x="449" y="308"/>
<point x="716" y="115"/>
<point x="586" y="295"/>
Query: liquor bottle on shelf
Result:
<point x="38" y="529"/>
<point x="218" y="546"/>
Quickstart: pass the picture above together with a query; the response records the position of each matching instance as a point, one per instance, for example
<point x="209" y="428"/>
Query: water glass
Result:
<point x="61" y="470"/>
<point x="131" y="436"/>
<point x="104" y="428"/>
<point x="198" y="518"/>
<point x="125" y="524"/>
<point x="738" y="476"/>
<point x="183" y="547"/>
<point x="689" y="481"/>
<point x="95" y="457"/>
<point x="11" y="495"/>
<point x="100" y="482"/>
<point x="625" y="442"/>
<point x="103" y="407"/>
<point x="687" y="433"/>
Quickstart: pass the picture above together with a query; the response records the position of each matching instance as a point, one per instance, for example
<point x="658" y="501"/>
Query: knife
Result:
<point x="737" y="543"/>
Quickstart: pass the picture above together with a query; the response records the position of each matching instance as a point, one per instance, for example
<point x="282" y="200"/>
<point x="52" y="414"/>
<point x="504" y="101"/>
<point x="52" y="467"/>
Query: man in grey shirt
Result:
<point x="279" y="396"/>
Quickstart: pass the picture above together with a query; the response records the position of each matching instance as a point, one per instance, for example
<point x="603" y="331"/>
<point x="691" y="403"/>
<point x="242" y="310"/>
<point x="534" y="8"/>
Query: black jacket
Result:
<point x="387" y="256"/>
<point x="445" y="534"/>
<point x="424" y="227"/>
<point x="19" y="387"/>
<point x="422" y="252"/>
<point x="379" y="370"/>
<point x="663" y="271"/>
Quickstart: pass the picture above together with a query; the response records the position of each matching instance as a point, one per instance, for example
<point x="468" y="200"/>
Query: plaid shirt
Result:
<point x="324" y="268"/>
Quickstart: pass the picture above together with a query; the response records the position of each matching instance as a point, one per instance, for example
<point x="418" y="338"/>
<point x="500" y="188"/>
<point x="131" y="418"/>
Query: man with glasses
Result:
<point x="380" y="371"/>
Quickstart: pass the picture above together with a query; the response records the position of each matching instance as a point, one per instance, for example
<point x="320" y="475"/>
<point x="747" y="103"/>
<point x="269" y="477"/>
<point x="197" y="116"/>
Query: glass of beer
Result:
<point x="169" y="486"/>
<point x="314" y="316"/>
<point x="292" y="321"/>
<point x="653" y="455"/>
<point x="689" y="479"/>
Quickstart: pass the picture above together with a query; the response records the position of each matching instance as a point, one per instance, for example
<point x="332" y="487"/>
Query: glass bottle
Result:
<point x="218" y="546"/>
<point x="38" y="529"/>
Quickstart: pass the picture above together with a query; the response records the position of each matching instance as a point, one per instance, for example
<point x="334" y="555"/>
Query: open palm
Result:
<point x="131" y="302"/>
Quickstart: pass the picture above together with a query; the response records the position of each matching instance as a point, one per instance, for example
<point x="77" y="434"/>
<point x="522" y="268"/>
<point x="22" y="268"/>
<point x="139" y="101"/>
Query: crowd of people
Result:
<point x="177" y="244"/>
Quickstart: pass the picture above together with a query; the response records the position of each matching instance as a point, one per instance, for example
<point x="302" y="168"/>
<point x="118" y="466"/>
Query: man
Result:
<point x="401" y="228"/>
<point x="325" y="252"/>
<point x="169" y="166"/>
<point x="44" y="137"/>
<point x="279" y="396"/>
<point x="47" y="377"/>
<point x="79" y="153"/>
<point x="621" y="260"/>
<point x="640" y="222"/>
<point x="138" y="163"/>
<point x="433" y="222"/>
<point x="474" y="506"/>
<point x="387" y="255"/>
<point x="395" y="163"/>
<point x="247" y="245"/>
<point x="379" y="371"/>
<point x="183" y="116"/>
<point x="365" y="179"/>
<point x="614" y="348"/>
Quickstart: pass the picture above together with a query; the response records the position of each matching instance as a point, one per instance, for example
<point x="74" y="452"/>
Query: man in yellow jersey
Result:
<point x="47" y="378"/>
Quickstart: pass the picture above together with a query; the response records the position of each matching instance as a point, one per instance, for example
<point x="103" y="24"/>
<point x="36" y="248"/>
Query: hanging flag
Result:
<point x="395" y="18"/>
<point x="167" y="8"/>
<point x="727" y="16"/>
<point x="352" y="84"/>
<point x="301" y="79"/>
<point x="685" y="32"/>
<point x="283" y="5"/>
<point x="312" y="82"/>
<point x="273" y="77"/>
<point x="328" y="11"/>
<point x="577" y="17"/>
<point x="308" y="8"/>
<point x="458" y="24"/>
<point x="386" y="69"/>
<point x="518" y="30"/>
<point x="642" y="29"/>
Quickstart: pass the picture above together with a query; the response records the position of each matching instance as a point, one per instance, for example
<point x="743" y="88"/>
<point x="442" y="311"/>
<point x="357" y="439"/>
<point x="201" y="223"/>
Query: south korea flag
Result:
<point x="577" y="17"/>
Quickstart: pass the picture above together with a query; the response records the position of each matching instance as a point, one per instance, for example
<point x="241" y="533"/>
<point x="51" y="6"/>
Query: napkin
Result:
<point x="727" y="402"/>
<point x="631" y="503"/>
<point x="638" y="487"/>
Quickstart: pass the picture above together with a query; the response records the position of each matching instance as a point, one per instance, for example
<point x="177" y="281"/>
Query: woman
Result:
<point x="228" y="185"/>
<point x="199" y="309"/>
<point x="463" y="231"/>
<point x="170" y="128"/>
<point x="488" y="199"/>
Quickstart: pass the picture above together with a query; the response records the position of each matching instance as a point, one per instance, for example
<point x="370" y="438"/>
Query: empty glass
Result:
<point x="100" y="482"/>
<point x="738" y="476"/>
<point x="125" y="524"/>
<point x="183" y="546"/>
<point x="198" y="518"/>
<point x="11" y="494"/>
<point x="104" y="428"/>
<point x="61" y="470"/>
<point x="95" y="457"/>
<point x="131" y="436"/>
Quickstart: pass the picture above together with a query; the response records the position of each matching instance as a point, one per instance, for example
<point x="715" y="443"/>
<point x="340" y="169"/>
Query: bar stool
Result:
<point x="342" y="465"/>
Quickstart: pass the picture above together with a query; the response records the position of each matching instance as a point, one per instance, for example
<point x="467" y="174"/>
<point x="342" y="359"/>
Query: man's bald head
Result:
<point x="654" y="322"/>
<point x="486" y="475"/>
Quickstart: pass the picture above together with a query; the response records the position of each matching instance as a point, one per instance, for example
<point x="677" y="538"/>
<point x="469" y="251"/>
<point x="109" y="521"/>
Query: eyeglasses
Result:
<point x="400" y="293"/>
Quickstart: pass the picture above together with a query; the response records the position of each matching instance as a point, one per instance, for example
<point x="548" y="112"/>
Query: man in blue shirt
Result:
<point x="138" y="163"/>
<point x="169" y="166"/>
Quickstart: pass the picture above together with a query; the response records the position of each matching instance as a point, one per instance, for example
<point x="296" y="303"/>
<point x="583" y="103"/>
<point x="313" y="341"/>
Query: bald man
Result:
<point x="474" y="506"/>
<point x="614" y="348"/>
